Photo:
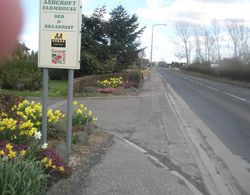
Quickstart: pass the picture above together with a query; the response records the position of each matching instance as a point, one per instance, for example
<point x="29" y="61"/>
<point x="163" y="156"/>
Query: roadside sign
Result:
<point x="60" y="36"/>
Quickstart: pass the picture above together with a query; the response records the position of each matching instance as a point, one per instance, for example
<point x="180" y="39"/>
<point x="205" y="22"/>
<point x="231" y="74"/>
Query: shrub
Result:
<point x="22" y="176"/>
<point x="58" y="74"/>
<point x="135" y="76"/>
<point x="106" y="90"/>
<point x="130" y="84"/>
<point x="229" y="68"/>
<point x="82" y="82"/>
<point x="20" y="75"/>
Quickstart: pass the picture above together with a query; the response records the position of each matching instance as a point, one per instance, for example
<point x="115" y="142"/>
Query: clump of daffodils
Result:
<point x="52" y="161"/>
<point x="19" y="136"/>
<point x="28" y="124"/>
<point x="111" y="82"/>
<point x="82" y="115"/>
<point x="32" y="111"/>
<point x="11" y="151"/>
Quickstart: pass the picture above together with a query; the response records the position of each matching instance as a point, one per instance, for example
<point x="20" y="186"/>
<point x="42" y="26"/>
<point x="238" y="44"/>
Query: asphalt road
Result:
<point x="224" y="108"/>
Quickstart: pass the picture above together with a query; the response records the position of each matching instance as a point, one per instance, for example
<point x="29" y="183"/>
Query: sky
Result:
<point x="151" y="12"/>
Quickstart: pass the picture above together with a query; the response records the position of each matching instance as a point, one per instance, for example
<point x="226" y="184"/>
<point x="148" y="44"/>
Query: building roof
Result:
<point x="23" y="47"/>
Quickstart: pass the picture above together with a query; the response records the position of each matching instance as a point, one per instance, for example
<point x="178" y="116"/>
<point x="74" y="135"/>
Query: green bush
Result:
<point x="91" y="81"/>
<point x="135" y="76"/>
<point x="58" y="74"/>
<point x="21" y="176"/>
<point x="20" y="75"/>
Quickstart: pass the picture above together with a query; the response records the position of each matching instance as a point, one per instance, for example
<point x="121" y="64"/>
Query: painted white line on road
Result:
<point x="212" y="88"/>
<point x="198" y="83"/>
<point x="236" y="97"/>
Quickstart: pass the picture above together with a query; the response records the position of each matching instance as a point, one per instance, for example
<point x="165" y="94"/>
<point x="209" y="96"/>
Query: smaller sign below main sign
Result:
<point x="58" y="40"/>
<point x="58" y="56"/>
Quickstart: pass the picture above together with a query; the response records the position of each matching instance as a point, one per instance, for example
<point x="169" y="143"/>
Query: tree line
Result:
<point x="206" y="41"/>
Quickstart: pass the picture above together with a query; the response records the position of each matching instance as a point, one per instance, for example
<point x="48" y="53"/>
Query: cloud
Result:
<point x="196" y="11"/>
<point x="154" y="3"/>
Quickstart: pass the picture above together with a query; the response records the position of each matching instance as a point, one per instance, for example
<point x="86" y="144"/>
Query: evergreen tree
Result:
<point x="123" y="33"/>
<point x="95" y="57"/>
<point x="108" y="45"/>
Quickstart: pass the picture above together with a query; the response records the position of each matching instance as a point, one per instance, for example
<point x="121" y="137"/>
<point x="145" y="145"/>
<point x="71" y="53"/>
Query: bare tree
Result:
<point x="243" y="46"/>
<point x="208" y="42"/>
<point x="234" y="30"/>
<point x="198" y="57"/>
<point x="183" y="30"/>
<point x="216" y="34"/>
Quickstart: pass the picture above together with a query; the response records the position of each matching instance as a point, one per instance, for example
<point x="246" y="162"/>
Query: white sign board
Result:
<point x="60" y="36"/>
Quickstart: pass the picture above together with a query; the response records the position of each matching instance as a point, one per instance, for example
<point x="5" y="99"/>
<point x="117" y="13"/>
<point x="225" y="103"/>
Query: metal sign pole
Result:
<point x="70" y="108"/>
<point x="45" y="104"/>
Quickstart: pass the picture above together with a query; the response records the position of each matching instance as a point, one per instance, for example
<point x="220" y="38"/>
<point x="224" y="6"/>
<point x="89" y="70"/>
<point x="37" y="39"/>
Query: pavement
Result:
<point x="149" y="154"/>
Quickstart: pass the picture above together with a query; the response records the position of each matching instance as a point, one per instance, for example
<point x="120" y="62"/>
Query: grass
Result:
<point x="56" y="89"/>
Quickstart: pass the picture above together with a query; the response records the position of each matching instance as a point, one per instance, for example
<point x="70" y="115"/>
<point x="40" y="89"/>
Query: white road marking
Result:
<point x="214" y="89"/>
<point x="236" y="97"/>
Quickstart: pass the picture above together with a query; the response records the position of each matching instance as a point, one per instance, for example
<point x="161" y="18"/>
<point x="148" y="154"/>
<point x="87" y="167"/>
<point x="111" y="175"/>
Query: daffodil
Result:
<point x="38" y="135"/>
<point x="61" y="168"/>
<point x="44" y="160"/>
<point x="23" y="152"/>
<point x="44" y="146"/>
<point x="79" y="111"/>
<point x="9" y="146"/>
<point x="12" y="154"/>
<point x="2" y="153"/>
<point x="90" y="113"/>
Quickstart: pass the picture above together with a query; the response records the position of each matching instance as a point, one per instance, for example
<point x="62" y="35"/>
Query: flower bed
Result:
<point x="20" y="144"/>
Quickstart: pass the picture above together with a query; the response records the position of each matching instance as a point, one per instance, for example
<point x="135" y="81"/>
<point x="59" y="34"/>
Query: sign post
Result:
<point x="59" y="47"/>
<point x="45" y="104"/>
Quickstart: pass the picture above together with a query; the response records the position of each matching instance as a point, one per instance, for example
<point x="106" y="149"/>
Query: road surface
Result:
<point x="224" y="108"/>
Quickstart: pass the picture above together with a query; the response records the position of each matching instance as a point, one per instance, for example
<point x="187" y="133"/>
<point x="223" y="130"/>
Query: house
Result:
<point x="20" y="52"/>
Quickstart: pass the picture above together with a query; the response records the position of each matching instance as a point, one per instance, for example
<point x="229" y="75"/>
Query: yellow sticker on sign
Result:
<point x="58" y="39"/>
<point x="58" y="36"/>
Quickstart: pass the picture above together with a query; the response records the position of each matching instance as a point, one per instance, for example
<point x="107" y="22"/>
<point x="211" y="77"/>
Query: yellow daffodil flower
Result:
<point x="9" y="146"/>
<point x="12" y="154"/>
<point x="61" y="168"/>
<point x="2" y="153"/>
<point x="23" y="152"/>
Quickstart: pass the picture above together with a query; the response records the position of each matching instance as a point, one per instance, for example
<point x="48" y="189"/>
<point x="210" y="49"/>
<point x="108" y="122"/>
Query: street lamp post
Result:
<point x="152" y="41"/>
